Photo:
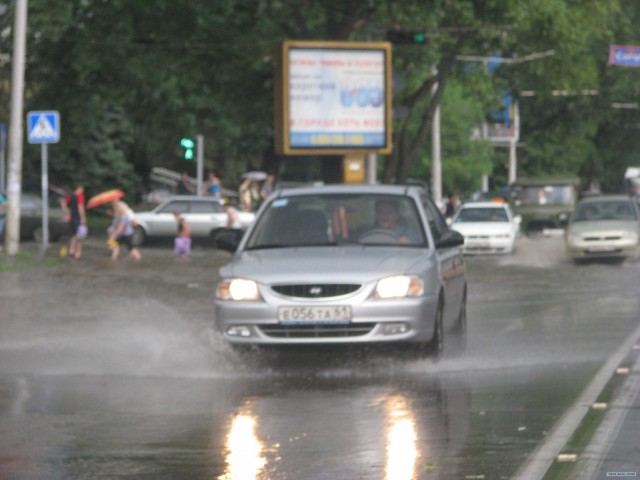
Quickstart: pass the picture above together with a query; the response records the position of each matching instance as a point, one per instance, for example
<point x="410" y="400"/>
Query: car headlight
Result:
<point x="399" y="286"/>
<point x="627" y="235"/>
<point x="573" y="237"/>
<point x="237" y="289"/>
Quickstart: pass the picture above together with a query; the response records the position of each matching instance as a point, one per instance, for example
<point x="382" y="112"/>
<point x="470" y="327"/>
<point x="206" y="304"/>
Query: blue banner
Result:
<point x="625" y="55"/>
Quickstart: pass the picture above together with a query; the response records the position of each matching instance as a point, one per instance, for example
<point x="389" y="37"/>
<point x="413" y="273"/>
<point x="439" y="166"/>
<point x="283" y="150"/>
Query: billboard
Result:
<point x="333" y="98"/>
<point x="625" y="55"/>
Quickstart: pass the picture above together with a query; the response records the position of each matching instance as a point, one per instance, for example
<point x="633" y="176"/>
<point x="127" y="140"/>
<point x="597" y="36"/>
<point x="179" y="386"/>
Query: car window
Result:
<point x="181" y="206"/>
<point x="437" y="223"/>
<point x="608" y="210"/>
<point x="481" y="214"/>
<point x="205" y="207"/>
<point x="329" y="219"/>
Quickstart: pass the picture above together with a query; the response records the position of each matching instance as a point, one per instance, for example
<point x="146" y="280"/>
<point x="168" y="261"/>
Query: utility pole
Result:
<point x="436" y="160"/>
<point x="14" y="182"/>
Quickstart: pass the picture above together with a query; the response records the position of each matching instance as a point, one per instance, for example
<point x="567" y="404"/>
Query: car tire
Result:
<point x="139" y="236"/>
<point x="459" y="332"/>
<point x="434" y="348"/>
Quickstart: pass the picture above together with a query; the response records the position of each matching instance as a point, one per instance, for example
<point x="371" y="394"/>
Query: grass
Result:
<point x="24" y="260"/>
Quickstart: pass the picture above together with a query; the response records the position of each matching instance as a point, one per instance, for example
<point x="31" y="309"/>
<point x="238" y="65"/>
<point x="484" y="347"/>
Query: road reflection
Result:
<point x="245" y="458"/>
<point x="402" y="449"/>
<point x="349" y="427"/>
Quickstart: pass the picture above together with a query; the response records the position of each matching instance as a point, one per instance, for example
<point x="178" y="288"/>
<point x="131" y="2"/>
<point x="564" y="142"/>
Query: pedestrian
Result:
<point x="212" y="186"/>
<point x="183" y="240"/>
<point x="234" y="224"/>
<point x="121" y="231"/>
<point x="267" y="187"/>
<point x="74" y="208"/>
<point x="185" y="185"/>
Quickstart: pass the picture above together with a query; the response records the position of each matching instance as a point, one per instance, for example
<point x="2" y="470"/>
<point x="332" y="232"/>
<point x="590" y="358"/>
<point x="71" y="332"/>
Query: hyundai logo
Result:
<point x="315" y="290"/>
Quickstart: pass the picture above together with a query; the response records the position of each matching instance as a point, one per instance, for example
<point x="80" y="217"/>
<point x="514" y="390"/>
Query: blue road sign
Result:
<point x="625" y="55"/>
<point x="44" y="127"/>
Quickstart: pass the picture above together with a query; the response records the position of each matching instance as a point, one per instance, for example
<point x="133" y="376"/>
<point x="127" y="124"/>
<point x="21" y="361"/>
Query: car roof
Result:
<point x="606" y="198"/>
<point x="384" y="189"/>
<point x="194" y="198"/>
<point x="484" y="205"/>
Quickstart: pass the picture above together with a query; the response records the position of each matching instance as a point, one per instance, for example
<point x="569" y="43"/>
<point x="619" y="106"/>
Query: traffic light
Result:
<point x="407" y="37"/>
<point x="188" y="146"/>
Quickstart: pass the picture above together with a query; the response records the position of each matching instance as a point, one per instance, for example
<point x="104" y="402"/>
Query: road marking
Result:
<point x="535" y="467"/>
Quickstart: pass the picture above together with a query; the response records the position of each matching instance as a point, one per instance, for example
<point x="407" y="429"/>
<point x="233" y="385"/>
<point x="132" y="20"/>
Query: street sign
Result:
<point x="43" y="127"/>
<point x="625" y="55"/>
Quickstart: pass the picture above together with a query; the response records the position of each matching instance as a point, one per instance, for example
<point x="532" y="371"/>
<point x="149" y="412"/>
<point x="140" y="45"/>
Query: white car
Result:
<point x="205" y="215"/>
<point x="487" y="227"/>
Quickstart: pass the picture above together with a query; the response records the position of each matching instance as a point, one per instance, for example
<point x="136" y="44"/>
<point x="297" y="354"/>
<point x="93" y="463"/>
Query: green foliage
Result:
<point x="131" y="78"/>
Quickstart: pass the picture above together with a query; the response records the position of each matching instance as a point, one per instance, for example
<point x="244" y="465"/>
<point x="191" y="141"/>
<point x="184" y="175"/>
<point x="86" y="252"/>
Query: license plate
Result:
<point x="601" y="249"/>
<point x="323" y="314"/>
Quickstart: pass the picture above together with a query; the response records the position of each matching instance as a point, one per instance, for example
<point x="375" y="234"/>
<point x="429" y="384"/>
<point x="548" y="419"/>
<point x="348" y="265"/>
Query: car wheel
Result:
<point x="435" y="347"/>
<point x="139" y="236"/>
<point x="460" y="330"/>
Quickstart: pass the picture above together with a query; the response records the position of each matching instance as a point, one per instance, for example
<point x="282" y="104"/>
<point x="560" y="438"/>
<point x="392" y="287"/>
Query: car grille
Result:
<point x="599" y="239"/>
<point x="317" y="331"/>
<point x="320" y="290"/>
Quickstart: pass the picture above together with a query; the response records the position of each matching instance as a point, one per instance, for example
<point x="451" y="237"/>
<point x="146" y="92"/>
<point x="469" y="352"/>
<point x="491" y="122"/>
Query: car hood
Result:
<point x="599" y="226"/>
<point x="482" y="228"/>
<point x="324" y="264"/>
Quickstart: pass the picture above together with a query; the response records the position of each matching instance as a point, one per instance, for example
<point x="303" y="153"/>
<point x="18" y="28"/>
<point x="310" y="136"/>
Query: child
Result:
<point x="183" y="240"/>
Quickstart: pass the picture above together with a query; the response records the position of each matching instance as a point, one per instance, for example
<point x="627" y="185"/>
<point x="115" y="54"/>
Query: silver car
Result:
<point x="606" y="226"/>
<point x="345" y="264"/>
<point x="206" y="217"/>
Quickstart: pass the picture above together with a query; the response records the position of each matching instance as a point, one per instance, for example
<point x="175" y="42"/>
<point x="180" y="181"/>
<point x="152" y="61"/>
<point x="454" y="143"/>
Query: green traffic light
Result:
<point x="188" y="154"/>
<point x="187" y="143"/>
<point x="419" y="37"/>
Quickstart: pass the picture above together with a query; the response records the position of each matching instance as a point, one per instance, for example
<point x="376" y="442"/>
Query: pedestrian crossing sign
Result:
<point x="44" y="127"/>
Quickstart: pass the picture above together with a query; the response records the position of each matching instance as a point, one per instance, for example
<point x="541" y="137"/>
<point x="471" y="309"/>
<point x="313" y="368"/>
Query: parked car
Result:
<point x="345" y="264"/>
<point x="607" y="226"/>
<point x="205" y="215"/>
<point x="31" y="218"/>
<point x="487" y="227"/>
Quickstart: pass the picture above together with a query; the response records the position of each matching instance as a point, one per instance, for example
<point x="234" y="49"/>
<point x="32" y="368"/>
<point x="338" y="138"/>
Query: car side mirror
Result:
<point x="449" y="239"/>
<point x="228" y="240"/>
<point x="517" y="219"/>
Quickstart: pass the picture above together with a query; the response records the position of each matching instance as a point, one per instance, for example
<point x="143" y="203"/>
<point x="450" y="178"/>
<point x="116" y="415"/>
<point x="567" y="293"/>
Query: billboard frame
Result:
<point x="282" y="98"/>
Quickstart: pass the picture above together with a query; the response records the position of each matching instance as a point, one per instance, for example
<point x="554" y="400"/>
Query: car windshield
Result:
<point x="330" y="219"/>
<point x="481" y="214"/>
<point x="618" y="210"/>
<point x="544" y="195"/>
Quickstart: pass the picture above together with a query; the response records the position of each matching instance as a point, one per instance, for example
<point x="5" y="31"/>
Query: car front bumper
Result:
<point x="372" y="321"/>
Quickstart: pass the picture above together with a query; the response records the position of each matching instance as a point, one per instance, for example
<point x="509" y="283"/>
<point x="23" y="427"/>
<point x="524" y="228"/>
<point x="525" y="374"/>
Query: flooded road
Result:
<point x="114" y="371"/>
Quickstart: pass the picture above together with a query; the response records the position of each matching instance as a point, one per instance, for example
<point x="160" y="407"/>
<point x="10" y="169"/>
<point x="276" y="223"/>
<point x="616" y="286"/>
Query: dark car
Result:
<point x="31" y="218"/>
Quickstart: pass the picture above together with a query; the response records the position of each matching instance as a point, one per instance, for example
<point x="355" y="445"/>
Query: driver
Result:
<point x="388" y="218"/>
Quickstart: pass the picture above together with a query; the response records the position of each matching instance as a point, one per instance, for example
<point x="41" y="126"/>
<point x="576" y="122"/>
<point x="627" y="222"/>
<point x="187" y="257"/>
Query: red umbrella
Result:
<point x="105" y="197"/>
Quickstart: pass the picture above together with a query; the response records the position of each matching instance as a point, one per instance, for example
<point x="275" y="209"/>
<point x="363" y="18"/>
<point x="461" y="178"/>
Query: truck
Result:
<point x="545" y="203"/>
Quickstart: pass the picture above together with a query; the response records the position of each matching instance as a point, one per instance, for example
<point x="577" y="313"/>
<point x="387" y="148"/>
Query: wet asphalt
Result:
<point x="113" y="370"/>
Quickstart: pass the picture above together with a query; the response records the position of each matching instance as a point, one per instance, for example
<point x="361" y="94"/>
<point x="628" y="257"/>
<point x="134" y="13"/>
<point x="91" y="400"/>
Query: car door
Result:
<point x="450" y="260"/>
<point x="205" y="216"/>
<point x="163" y="223"/>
